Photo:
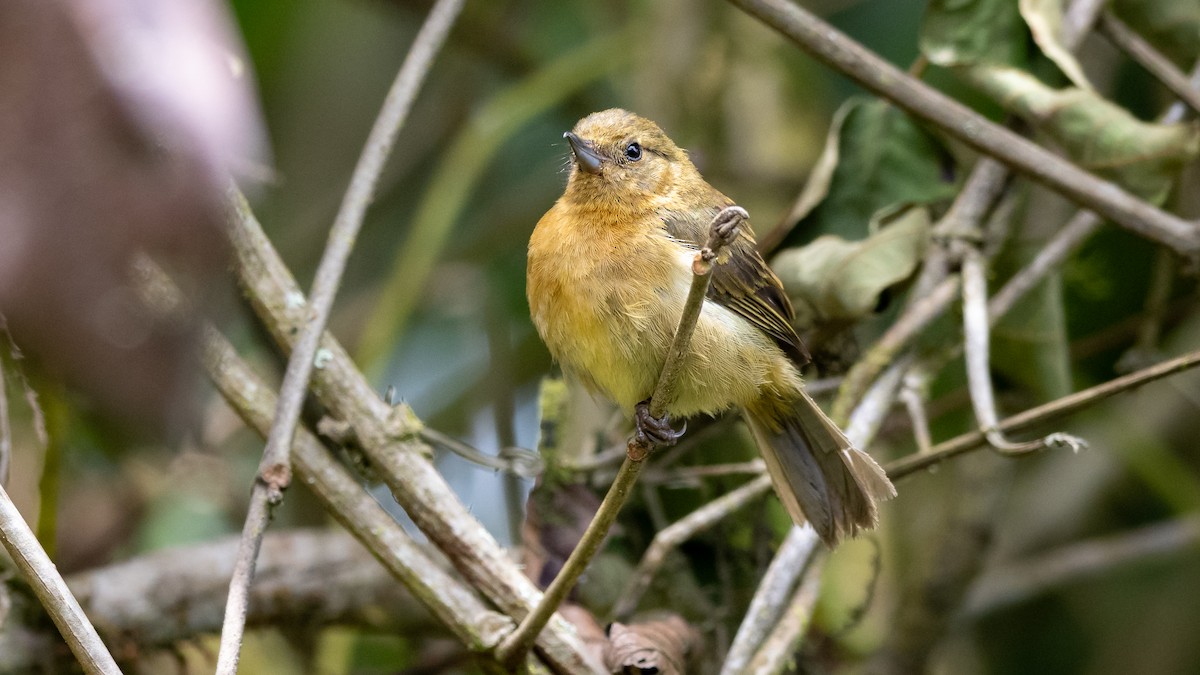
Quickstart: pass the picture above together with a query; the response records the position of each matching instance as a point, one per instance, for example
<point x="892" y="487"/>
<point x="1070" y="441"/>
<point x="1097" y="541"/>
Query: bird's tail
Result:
<point x="819" y="475"/>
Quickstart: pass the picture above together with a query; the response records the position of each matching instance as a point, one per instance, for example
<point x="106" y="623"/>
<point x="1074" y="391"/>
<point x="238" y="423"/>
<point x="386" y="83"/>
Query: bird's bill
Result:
<point x="585" y="156"/>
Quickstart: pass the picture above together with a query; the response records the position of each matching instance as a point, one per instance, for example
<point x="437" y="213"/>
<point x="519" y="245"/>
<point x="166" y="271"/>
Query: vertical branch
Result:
<point x="514" y="647"/>
<point x="274" y="472"/>
<point x="979" y="379"/>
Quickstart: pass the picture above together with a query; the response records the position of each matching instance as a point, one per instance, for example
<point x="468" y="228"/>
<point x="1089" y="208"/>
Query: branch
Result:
<point x="770" y="598"/>
<point x="777" y="651"/>
<point x="515" y="646"/>
<point x="274" y="473"/>
<point x="669" y="538"/>
<point x="976" y="332"/>
<point x="1017" y="582"/>
<point x="1049" y="411"/>
<point x="1149" y="58"/>
<point x="159" y="599"/>
<point x="37" y="568"/>
<point x="389" y="438"/>
<point x="835" y="49"/>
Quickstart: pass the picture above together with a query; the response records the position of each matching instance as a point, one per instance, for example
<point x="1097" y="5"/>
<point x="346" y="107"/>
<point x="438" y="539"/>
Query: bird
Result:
<point x="608" y="272"/>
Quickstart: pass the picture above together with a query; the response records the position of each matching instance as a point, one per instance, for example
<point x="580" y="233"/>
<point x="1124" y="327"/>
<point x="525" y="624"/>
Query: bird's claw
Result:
<point x="655" y="431"/>
<point x="727" y="225"/>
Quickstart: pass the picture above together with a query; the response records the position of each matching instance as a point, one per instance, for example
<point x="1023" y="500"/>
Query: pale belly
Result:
<point x="729" y="362"/>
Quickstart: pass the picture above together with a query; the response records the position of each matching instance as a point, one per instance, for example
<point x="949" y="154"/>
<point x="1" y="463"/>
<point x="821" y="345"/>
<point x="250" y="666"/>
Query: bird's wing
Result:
<point x="743" y="283"/>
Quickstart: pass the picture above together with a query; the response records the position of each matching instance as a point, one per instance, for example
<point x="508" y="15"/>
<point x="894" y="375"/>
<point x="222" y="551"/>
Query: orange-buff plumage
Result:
<point x="609" y="271"/>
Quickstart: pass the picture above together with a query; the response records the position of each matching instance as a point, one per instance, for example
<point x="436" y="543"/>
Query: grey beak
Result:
<point x="585" y="156"/>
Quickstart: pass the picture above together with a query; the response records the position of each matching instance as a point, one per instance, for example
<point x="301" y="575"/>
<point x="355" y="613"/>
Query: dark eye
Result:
<point x="634" y="152"/>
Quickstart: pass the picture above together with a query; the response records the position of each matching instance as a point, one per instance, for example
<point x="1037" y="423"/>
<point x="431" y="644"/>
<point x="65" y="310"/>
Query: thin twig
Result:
<point x="512" y="461"/>
<point x="1016" y="582"/>
<point x="389" y="438"/>
<point x="1078" y="229"/>
<point x="517" y="644"/>
<point x="847" y="56"/>
<point x="777" y="651"/>
<point x="912" y="395"/>
<point x="274" y="473"/>
<point x="669" y="538"/>
<point x="1049" y="411"/>
<point x="916" y="317"/>
<point x="1128" y="41"/>
<point x="37" y="568"/>
<point x="976" y="338"/>
<point x="688" y="474"/>
<point x="447" y="598"/>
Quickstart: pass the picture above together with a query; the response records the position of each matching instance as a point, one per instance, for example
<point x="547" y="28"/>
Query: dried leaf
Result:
<point x="1044" y="18"/>
<point x="659" y="646"/>
<point x="1144" y="157"/>
<point x="835" y="279"/>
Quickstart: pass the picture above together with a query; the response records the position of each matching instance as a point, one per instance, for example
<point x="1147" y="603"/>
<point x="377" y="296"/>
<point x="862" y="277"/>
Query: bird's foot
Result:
<point x="654" y="431"/>
<point x="728" y="223"/>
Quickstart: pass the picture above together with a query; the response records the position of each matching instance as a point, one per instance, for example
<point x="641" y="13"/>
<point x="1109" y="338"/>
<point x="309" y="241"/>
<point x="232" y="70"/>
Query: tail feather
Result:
<point x="819" y="475"/>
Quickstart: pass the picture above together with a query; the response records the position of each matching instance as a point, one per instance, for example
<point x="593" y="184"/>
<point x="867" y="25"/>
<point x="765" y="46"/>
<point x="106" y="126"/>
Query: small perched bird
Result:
<point x="608" y="273"/>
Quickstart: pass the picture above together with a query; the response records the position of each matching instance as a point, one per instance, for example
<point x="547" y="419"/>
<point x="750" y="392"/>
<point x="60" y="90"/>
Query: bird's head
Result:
<point x="620" y="156"/>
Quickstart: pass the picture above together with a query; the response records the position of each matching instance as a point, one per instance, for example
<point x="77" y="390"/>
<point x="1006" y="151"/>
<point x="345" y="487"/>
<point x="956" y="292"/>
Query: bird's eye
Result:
<point x="633" y="152"/>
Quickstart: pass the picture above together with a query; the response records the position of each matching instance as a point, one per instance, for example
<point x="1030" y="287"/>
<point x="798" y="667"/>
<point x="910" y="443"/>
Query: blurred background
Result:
<point x="433" y="304"/>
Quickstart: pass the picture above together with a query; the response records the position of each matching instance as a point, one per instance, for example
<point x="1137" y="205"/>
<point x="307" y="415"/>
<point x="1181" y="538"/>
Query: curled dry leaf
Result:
<point x="833" y="279"/>
<point x="660" y="646"/>
<point x="115" y="126"/>
<point x="1045" y="21"/>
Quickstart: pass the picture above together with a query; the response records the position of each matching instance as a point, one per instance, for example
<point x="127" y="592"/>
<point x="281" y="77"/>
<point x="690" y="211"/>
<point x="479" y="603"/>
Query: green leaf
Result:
<point x="875" y="157"/>
<point x="836" y="279"/>
<point x="1099" y="135"/>
<point x="966" y="32"/>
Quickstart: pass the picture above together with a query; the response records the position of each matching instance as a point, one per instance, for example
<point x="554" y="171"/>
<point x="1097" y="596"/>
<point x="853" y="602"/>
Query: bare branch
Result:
<point x="515" y="645"/>
<point x="274" y="472"/>
<point x="776" y="652"/>
<point x="669" y="538"/>
<point x="770" y="598"/>
<point x="37" y="568"/>
<point x="847" y="56"/>
<point x="1017" y="582"/>
<point x="1049" y="411"/>
<point x="921" y="312"/>
<point x="1149" y="58"/>
<point x="389" y="438"/>
<point x="512" y="461"/>
<point x="976" y="333"/>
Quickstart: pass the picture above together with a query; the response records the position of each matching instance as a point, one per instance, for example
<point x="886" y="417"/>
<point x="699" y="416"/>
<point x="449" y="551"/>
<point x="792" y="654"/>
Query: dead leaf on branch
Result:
<point x="660" y="646"/>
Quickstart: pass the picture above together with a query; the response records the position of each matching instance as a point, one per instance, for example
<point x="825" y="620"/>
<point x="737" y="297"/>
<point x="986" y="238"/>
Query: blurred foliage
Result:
<point x="438" y="277"/>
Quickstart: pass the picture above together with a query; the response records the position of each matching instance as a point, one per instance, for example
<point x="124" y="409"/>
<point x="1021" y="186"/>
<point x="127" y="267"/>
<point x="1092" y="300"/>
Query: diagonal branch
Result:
<point x="274" y="473"/>
<point x="390" y="440"/>
<point x="837" y="50"/>
<point x="37" y="568"/>
<point x="515" y="646"/>
<point x="1066" y="405"/>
